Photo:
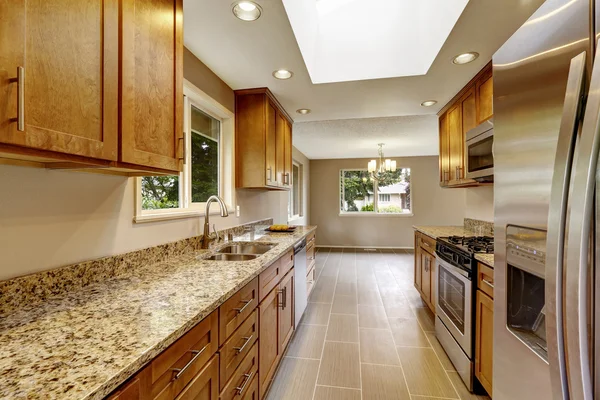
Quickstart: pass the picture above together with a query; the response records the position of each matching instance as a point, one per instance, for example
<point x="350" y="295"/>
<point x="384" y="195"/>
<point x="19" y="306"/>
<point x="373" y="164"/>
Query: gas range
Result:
<point x="460" y="250"/>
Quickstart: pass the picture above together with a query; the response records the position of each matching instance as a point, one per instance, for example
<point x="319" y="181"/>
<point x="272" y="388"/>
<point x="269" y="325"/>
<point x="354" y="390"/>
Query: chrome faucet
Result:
<point x="206" y="238"/>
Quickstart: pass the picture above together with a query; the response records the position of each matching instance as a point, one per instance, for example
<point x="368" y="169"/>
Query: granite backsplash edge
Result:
<point x="40" y="286"/>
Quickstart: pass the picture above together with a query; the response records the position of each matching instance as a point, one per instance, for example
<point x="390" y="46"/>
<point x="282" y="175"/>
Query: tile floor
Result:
<point x="366" y="335"/>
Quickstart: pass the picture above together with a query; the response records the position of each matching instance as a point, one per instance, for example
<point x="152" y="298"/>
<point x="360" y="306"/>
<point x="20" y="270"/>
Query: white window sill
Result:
<point x="375" y="215"/>
<point x="173" y="215"/>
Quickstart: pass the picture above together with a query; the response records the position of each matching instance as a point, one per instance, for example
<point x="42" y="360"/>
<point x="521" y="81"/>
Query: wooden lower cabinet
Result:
<point x="484" y="340"/>
<point x="130" y="391"/>
<point x="425" y="269"/>
<point x="269" y="339"/>
<point x="205" y="385"/>
<point x="240" y="383"/>
<point x="252" y="393"/>
<point x="286" y="311"/>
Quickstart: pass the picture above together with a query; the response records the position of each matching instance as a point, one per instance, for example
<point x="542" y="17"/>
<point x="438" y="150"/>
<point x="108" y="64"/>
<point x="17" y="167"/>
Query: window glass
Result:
<point x="394" y="192"/>
<point x="358" y="192"/>
<point x="296" y="189"/>
<point x="160" y="192"/>
<point x="206" y="132"/>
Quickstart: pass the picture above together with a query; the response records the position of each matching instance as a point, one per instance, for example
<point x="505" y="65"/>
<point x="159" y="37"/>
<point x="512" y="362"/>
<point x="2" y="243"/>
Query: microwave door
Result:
<point x="480" y="158"/>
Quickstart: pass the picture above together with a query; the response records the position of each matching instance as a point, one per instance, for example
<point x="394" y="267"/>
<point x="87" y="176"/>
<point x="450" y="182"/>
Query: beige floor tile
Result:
<point x="462" y="390"/>
<point x="372" y="317"/>
<point x="424" y="374"/>
<point x="369" y="298"/>
<point x="295" y="379"/>
<point x="316" y="314"/>
<point x="439" y="350"/>
<point x="334" y="393"/>
<point x="400" y="311"/>
<point x="377" y="347"/>
<point x="408" y="333"/>
<point x="340" y="365"/>
<point x="343" y="328"/>
<point x="426" y="319"/>
<point x="345" y="289"/>
<point x="307" y="342"/>
<point x="344" y="305"/>
<point x="330" y="270"/>
<point x="382" y="382"/>
<point x="323" y="290"/>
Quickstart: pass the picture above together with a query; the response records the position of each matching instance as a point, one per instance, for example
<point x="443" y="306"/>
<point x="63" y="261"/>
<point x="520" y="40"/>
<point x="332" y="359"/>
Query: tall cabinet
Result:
<point x="263" y="135"/>
<point x="469" y="108"/>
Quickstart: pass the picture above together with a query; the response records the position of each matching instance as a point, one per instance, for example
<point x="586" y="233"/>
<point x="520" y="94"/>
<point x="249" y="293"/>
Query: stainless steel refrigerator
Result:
<point x="546" y="140"/>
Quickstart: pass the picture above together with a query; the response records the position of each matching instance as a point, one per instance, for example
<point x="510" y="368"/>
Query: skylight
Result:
<point x="350" y="40"/>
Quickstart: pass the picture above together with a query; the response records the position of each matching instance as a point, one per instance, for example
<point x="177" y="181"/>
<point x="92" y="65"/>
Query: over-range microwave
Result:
<point x="480" y="156"/>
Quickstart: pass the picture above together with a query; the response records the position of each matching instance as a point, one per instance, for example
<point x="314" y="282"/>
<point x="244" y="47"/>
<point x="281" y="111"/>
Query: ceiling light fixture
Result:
<point x="246" y="10"/>
<point x="385" y="168"/>
<point x="303" y="111"/>
<point x="428" y="103"/>
<point x="465" y="58"/>
<point x="283" y="74"/>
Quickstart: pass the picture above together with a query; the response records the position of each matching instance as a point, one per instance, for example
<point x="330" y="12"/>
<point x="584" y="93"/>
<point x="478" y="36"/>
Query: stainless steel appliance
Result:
<point x="300" y="292"/>
<point x="456" y="267"/>
<point x="480" y="156"/>
<point x="546" y="140"/>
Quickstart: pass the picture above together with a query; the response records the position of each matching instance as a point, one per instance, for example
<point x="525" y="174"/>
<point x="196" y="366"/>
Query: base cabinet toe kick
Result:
<point x="234" y="352"/>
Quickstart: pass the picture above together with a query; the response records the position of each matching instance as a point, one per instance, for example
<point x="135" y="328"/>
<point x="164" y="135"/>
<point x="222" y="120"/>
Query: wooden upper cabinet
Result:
<point x="455" y="140"/>
<point x="484" y="89"/>
<point x="152" y="83"/>
<point x="68" y="53"/>
<point x="263" y="132"/>
<point x="444" y="151"/>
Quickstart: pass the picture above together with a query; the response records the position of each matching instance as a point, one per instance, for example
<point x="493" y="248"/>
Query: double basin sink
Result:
<point x="241" y="252"/>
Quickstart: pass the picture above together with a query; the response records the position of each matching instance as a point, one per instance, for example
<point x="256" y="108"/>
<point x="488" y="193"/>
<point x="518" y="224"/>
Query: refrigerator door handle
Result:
<point x="578" y="246"/>
<point x="556" y="225"/>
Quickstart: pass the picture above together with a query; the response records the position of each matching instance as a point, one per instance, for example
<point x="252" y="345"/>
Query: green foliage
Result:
<point x="391" y="209"/>
<point x="160" y="192"/>
<point x="368" y="207"/>
<point x="205" y="168"/>
<point x="356" y="185"/>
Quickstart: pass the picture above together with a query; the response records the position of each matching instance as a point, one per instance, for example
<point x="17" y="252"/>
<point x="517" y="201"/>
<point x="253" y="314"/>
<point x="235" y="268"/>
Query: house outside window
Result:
<point x="296" y="192"/>
<point x="359" y="194"/>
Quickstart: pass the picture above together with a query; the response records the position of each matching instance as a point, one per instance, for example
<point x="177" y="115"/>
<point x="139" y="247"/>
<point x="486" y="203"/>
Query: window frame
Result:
<point x="375" y="212"/>
<point x="291" y="215"/>
<point x="194" y="96"/>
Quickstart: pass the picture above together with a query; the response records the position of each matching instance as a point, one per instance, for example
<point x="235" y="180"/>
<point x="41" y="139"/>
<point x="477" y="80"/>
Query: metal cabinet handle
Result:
<point x="240" y="349"/>
<point x="240" y="389"/>
<point x="181" y="371"/>
<point x="281" y="302"/>
<point x="246" y="304"/>
<point x="270" y="171"/>
<point x="21" y="99"/>
<point x="488" y="283"/>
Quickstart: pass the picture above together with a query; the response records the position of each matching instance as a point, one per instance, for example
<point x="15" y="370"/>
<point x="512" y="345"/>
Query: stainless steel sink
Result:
<point x="232" y="257"/>
<point x="247" y="248"/>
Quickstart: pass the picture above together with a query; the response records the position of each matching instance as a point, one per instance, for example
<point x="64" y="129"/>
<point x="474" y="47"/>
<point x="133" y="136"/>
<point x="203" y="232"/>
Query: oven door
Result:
<point x="454" y="303"/>
<point x="480" y="156"/>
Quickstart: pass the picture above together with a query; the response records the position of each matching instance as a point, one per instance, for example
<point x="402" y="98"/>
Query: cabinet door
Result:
<point x="469" y="121"/>
<point x="205" y="385"/>
<point x="270" y="147"/>
<point x="433" y="281"/>
<point x="152" y="84"/>
<point x="280" y="149"/>
<point x="426" y="275"/>
<point x="444" y="150"/>
<point x="130" y="391"/>
<point x="68" y="53"/>
<point x="268" y="340"/>
<point x="287" y="154"/>
<point x="484" y="340"/>
<point x="485" y="97"/>
<point x="286" y="311"/>
<point x="455" y="140"/>
<point x="417" y="263"/>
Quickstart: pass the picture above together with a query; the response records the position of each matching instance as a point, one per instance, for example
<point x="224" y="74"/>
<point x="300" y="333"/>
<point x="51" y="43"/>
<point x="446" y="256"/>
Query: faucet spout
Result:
<point x="224" y="213"/>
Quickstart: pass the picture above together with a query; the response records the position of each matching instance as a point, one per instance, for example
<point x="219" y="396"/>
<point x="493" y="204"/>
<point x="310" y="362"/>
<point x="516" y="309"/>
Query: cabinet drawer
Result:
<point x="205" y="384"/>
<point x="252" y="393"/>
<point x="485" y="279"/>
<point x="237" y="346"/>
<point x="239" y="384"/>
<point x="270" y="277"/>
<point x="310" y="254"/>
<point x="310" y="280"/>
<point x="175" y="367"/>
<point x="310" y="238"/>
<point x="130" y="391"/>
<point x="235" y="310"/>
<point x="427" y="243"/>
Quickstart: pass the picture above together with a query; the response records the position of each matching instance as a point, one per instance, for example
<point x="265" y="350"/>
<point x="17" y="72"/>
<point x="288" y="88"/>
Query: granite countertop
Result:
<point x="487" y="259"/>
<point x="85" y="343"/>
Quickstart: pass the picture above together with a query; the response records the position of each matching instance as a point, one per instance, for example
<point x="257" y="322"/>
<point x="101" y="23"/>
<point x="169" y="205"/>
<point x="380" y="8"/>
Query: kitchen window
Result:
<point x="208" y="167"/>
<point x="296" y="192"/>
<point x="361" y="195"/>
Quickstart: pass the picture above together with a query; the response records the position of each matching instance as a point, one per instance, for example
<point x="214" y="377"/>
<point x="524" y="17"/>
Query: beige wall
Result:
<point x="431" y="205"/>
<point x="479" y="203"/>
<point x="200" y="75"/>
<point x="54" y="218"/>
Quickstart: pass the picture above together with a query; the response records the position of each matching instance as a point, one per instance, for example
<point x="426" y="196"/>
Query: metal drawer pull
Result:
<point x="180" y="371"/>
<point x="284" y="297"/>
<point x="240" y="349"/>
<point x="487" y="283"/>
<point x="21" y="99"/>
<point x="281" y="302"/>
<point x="246" y="303"/>
<point x="240" y="389"/>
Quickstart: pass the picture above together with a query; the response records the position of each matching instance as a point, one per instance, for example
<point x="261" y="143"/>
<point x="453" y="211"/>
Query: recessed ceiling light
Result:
<point x="428" y="103"/>
<point x="246" y="10"/>
<point x="303" y="111"/>
<point x="465" y="58"/>
<point x="283" y="74"/>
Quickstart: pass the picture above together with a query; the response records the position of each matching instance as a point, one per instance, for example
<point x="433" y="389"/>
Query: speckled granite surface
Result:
<point x="83" y="343"/>
<point x="440" y="231"/>
<point x="487" y="259"/>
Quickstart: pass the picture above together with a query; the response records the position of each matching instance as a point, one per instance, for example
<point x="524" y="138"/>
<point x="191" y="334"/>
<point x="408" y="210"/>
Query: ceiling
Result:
<point x="349" y="40"/>
<point x="244" y="55"/>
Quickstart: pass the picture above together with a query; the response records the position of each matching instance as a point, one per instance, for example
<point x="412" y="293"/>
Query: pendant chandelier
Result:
<point x="385" y="166"/>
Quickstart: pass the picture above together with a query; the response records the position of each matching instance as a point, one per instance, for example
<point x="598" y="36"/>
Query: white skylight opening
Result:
<point x="350" y="40"/>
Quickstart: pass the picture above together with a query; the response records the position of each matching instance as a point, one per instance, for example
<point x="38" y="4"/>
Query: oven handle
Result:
<point x="464" y="275"/>
<point x="557" y="224"/>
